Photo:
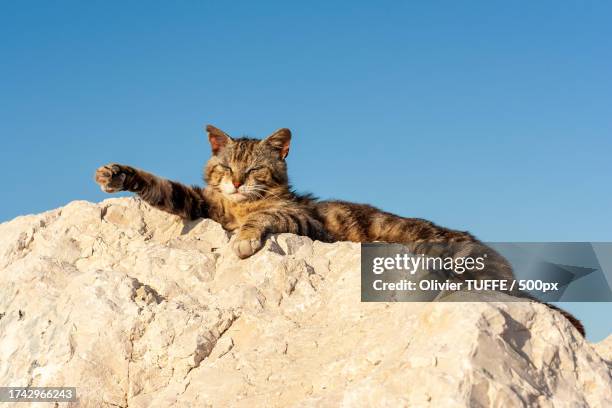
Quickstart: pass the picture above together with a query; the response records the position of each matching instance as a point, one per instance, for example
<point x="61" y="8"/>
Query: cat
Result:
<point x="248" y="192"/>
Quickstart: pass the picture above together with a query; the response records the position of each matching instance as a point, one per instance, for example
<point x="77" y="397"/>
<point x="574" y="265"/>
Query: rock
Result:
<point x="134" y="307"/>
<point x="604" y="348"/>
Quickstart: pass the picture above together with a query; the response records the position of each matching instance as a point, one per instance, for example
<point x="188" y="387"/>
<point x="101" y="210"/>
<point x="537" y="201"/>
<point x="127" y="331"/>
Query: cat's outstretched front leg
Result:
<point x="175" y="198"/>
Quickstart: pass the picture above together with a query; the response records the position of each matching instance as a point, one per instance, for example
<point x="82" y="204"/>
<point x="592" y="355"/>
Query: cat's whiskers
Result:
<point x="263" y="191"/>
<point x="251" y="191"/>
<point x="254" y="192"/>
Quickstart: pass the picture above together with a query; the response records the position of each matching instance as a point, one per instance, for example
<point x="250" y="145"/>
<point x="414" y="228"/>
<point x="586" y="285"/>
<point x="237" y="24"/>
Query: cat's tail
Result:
<point x="363" y="223"/>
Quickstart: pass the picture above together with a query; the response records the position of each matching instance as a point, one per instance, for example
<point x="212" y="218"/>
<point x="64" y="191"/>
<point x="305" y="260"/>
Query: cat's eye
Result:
<point x="225" y="167"/>
<point x="254" y="169"/>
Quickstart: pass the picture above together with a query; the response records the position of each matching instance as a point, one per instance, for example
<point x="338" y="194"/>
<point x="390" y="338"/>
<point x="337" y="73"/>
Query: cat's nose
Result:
<point x="236" y="184"/>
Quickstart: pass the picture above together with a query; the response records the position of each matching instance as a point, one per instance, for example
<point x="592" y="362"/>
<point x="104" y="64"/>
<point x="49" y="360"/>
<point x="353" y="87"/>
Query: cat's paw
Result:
<point x="111" y="178"/>
<point x="246" y="245"/>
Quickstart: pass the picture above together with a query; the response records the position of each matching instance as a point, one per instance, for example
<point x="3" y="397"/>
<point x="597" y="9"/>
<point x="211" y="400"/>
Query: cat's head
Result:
<point x="245" y="169"/>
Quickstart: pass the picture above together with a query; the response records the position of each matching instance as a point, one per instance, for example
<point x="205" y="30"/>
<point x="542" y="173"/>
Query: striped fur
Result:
<point x="248" y="192"/>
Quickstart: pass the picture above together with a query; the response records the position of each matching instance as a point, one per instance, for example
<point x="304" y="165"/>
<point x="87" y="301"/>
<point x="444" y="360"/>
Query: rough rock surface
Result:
<point x="136" y="308"/>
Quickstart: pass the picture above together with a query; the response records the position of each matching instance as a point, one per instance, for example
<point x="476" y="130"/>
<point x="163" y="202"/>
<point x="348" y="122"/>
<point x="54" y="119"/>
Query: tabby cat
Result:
<point x="248" y="192"/>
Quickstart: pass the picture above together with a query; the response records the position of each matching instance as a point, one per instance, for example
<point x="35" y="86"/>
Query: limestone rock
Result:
<point x="604" y="348"/>
<point x="134" y="307"/>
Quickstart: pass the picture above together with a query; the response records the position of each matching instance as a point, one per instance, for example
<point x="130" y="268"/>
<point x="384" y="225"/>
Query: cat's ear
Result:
<point x="280" y="141"/>
<point x="218" y="139"/>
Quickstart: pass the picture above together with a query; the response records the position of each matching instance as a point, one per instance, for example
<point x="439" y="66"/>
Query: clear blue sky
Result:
<point x="494" y="117"/>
